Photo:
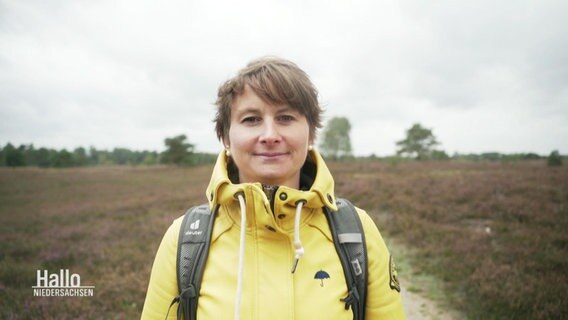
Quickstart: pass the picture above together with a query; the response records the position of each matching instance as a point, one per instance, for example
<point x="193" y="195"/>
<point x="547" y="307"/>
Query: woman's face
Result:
<point x="268" y="143"/>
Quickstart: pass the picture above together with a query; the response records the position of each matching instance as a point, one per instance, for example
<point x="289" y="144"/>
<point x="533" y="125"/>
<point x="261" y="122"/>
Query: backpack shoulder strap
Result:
<point x="349" y="240"/>
<point x="195" y="237"/>
<point x="192" y="251"/>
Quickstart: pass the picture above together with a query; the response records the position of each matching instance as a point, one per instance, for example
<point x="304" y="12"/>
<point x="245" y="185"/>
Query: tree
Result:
<point x="2" y="157"/>
<point x="336" y="142"/>
<point x="439" y="155"/>
<point x="150" y="158"/>
<point x="43" y="158"/>
<point x="80" y="156"/>
<point x="93" y="158"/>
<point x="62" y="159"/>
<point x="418" y="143"/>
<point x="554" y="159"/>
<point x="121" y="156"/>
<point x="177" y="150"/>
<point x="15" y="157"/>
<point x="30" y="155"/>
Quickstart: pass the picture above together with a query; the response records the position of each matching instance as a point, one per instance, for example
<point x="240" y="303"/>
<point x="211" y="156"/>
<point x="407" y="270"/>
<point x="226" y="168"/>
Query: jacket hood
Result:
<point x="316" y="180"/>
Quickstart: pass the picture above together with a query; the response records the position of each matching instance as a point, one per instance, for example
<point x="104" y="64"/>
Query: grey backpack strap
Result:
<point x="193" y="248"/>
<point x="349" y="240"/>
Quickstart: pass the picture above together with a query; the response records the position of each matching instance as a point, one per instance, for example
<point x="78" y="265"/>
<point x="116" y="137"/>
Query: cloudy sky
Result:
<point x="483" y="75"/>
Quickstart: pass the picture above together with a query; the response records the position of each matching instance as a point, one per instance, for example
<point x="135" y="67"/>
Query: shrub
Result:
<point x="554" y="159"/>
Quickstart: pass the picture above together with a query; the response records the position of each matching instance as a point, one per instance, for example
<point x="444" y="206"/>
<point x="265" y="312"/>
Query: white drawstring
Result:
<point x="241" y="257"/>
<point x="297" y="243"/>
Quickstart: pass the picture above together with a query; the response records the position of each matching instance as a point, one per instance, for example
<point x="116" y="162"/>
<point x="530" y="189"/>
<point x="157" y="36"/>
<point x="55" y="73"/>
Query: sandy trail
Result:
<point x="418" y="307"/>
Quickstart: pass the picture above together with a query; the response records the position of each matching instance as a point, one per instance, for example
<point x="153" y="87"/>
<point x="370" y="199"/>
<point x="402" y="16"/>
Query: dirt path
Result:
<point x="419" y="307"/>
<point x="422" y="295"/>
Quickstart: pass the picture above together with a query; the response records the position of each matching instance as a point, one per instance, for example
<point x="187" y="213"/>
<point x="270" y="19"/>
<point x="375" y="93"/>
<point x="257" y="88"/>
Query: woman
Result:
<point x="267" y="117"/>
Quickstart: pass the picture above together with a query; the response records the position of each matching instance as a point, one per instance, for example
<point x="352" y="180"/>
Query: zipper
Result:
<point x="270" y="192"/>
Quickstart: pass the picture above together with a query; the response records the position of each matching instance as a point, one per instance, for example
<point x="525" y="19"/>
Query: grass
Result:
<point x="489" y="238"/>
<point x="417" y="281"/>
<point x="102" y="223"/>
<point x="493" y="233"/>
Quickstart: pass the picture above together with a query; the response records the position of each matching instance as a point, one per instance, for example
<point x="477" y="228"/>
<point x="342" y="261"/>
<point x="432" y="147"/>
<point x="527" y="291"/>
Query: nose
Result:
<point x="270" y="133"/>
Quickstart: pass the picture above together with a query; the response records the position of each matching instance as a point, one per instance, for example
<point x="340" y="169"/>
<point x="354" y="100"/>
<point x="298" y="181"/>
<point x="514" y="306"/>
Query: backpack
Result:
<point x="195" y="237"/>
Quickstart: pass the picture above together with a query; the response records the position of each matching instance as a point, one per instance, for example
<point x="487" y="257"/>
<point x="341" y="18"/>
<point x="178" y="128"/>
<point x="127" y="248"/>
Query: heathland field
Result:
<point x="494" y="235"/>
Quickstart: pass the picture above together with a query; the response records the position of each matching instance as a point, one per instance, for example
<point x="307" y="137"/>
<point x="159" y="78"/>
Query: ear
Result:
<point x="226" y="142"/>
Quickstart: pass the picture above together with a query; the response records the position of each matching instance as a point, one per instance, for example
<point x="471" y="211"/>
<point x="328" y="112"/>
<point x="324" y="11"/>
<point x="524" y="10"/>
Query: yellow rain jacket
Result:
<point x="270" y="290"/>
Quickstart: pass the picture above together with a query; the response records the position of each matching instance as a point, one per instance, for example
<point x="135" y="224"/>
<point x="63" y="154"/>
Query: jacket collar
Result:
<point x="321" y="192"/>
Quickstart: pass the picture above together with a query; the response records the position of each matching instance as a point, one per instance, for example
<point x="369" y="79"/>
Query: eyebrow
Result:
<point x="253" y="110"/>
<point x="247" y="110"/>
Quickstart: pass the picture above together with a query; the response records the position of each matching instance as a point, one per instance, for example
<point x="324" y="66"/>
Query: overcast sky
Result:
<point x="483" y="75"/>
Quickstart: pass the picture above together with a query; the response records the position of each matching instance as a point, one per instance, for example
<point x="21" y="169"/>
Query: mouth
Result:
<point x="270" y="155"/>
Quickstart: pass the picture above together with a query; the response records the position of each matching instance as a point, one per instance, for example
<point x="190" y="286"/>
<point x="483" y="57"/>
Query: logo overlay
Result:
<point x="393" y="283"/>
<point x="321" y="275"/>
<point x="62" y="284"/>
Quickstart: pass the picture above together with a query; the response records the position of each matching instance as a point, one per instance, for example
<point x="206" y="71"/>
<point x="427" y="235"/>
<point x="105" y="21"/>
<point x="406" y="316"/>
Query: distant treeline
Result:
<point x="486" y="156"/>
<point x="496" y="156"/>
<point x="28" y="155"/>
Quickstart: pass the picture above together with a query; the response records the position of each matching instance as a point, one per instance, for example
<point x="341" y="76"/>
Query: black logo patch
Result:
<point x="393" y="283"/>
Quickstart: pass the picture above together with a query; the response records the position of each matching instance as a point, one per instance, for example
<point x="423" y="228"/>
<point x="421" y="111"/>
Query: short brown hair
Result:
<point x="276" y="81"/>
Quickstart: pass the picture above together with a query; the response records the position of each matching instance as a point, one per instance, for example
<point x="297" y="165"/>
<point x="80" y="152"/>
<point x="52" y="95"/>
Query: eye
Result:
<point x="251" y="120"/>
<point x="286" y="118"/>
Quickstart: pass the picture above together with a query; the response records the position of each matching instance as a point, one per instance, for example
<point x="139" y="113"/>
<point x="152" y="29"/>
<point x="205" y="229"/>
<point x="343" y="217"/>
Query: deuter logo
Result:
<point x="194" y="226"/>
<point x="62" y="284"/>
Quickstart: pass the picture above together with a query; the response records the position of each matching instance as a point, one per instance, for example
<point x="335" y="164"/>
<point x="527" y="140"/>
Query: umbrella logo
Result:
<point x="320" y="275"/>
